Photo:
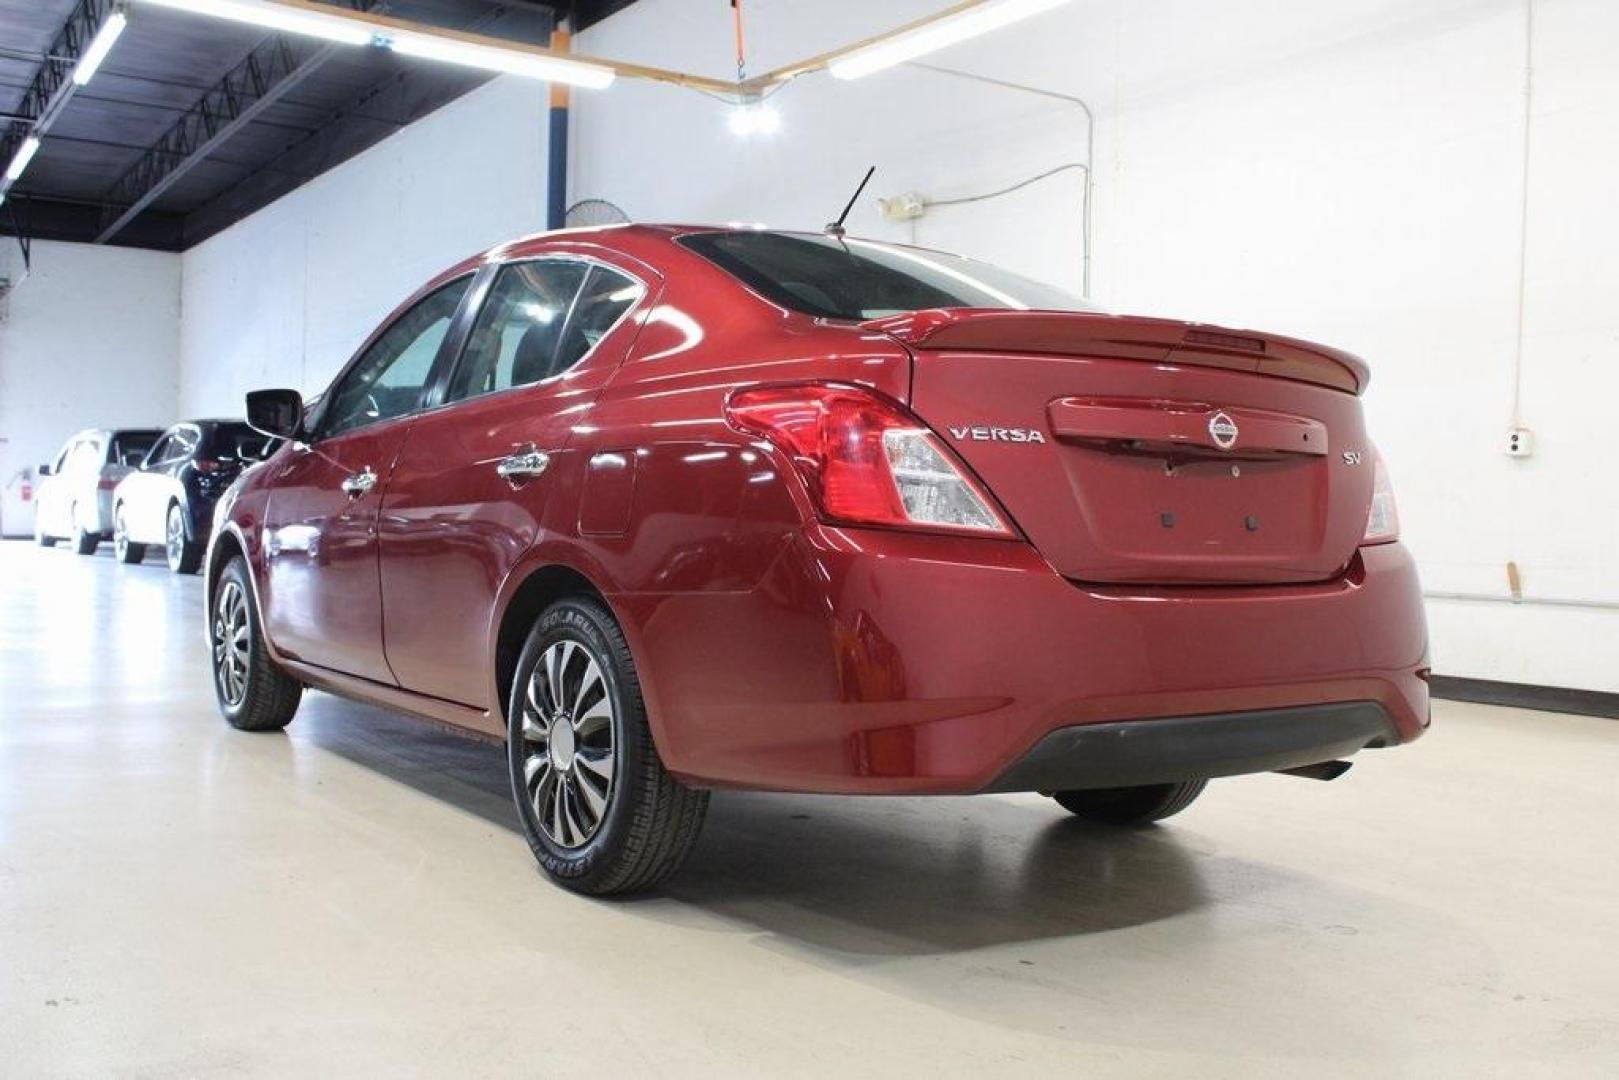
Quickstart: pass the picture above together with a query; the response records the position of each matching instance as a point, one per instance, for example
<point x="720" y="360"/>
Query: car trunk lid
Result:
<point x="1135" y="450"/>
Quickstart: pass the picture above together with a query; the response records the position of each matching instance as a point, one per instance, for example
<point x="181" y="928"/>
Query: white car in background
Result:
<point x="74" y="500"/>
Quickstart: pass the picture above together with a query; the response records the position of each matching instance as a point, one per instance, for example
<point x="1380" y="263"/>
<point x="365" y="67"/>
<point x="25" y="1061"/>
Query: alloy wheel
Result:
<point x="174" y="539"/>
<point x="232" y="638"/>
<point x="569" y="749"/>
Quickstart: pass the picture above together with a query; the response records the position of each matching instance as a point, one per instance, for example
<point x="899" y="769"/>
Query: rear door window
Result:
<point x="605" y="299"/>
<point x="516" y="339"/>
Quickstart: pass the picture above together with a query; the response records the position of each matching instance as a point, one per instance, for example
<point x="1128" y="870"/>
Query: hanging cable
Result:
<point x="1020" y="185"/>
<point x="741" y="43"/>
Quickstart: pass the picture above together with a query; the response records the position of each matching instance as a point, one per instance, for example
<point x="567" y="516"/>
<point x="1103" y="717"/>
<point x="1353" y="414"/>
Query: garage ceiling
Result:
<point x="116" y="145"/>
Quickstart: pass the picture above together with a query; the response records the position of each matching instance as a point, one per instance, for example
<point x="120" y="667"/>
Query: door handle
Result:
<point x="360" y="483"/>
<point x="522" y="466"/>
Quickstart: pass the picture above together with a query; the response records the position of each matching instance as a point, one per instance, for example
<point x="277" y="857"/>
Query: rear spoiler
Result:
<point x="1126" y="337"/>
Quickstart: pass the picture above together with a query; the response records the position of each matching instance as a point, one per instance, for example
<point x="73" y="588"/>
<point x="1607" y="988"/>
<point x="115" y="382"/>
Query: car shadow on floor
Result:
<point x="917" y="876"/>
<point x="865" y="876"/>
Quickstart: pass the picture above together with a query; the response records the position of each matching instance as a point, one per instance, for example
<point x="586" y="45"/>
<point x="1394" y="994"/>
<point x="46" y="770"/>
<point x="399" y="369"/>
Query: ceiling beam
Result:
<point x="53" y="218"/>
<point x="274" y="67"/>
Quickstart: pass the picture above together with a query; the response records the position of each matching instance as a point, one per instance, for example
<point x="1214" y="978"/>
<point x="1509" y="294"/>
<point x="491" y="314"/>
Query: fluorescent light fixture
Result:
<point x="100" y="46"/>
<point x="333" y="27"/>
<point x="755" y="118"/>
<point x="25" y="154"/>
<point x="351" y="31"/>
<point x="493" y="58"/>
<point x="910" y="44"/>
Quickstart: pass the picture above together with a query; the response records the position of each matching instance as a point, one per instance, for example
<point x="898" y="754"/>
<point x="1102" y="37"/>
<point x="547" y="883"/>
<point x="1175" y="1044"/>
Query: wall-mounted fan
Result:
<point x="593" y="212"/>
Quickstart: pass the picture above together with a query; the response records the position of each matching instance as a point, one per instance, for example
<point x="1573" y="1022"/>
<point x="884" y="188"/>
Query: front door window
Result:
<point x="388" y="379"/>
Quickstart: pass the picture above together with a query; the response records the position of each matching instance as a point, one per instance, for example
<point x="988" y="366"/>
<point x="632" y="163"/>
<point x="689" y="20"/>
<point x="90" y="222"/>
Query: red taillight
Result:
<point x="865" y="460"/>
<point x="205" y="465"/>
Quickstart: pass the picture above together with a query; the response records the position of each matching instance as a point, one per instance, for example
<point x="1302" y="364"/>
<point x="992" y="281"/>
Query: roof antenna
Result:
<point x="835" y="229"/>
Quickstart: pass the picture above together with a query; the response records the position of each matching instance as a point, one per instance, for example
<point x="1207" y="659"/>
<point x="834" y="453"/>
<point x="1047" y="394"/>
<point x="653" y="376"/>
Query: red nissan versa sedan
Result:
<point x="671" y="509"/>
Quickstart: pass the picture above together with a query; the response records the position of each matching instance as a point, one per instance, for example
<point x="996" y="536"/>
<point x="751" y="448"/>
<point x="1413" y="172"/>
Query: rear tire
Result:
<point x="85" y="542"/>
<point x="1131" y="805"/>
<point x="182" y="555"/>
<point x="125" y="549"/>
<point x="600" y="812"/>
<point x="254" y="694"/>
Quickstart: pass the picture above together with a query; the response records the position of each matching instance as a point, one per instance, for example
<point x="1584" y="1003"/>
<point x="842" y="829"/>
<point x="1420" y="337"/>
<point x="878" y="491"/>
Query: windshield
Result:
<point x="237" y="442"/>
<point x="861" y="279"/>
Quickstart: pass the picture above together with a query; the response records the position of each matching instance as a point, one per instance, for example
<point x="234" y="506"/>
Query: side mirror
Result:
<point x="44" y="470"/>
<point x="277" y="413"/>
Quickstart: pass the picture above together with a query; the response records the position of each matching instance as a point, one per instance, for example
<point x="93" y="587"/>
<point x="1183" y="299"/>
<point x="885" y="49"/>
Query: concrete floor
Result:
<point x="353" y="897"/>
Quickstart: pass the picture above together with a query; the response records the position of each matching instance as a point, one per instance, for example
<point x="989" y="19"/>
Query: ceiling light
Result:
<point x="25" y="154"/>
<point x="910" y="44"/>
<point x="333" y="27"/>
<point x="754" y="118"/>
<point x="493" y="58"/>
<point x="100" y="46"/>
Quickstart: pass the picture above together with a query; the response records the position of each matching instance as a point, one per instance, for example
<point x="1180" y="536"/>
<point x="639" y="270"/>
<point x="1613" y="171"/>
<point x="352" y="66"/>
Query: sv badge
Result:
<point x="1351" y="457"/>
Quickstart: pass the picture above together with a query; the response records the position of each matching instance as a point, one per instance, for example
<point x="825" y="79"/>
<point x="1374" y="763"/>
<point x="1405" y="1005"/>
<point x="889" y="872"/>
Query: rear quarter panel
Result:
<point x="682" y="515"/>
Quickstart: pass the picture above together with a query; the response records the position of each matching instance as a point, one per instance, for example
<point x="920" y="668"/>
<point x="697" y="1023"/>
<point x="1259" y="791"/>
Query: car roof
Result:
<point x="111" y="433"/>
<point x="215" y="421"/>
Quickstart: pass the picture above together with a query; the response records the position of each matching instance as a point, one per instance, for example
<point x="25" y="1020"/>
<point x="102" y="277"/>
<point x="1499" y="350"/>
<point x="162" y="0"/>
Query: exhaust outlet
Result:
<point x="1321" y="770"/>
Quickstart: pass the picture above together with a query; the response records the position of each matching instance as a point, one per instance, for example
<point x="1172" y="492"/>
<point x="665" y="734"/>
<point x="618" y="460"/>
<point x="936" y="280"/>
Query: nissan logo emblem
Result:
<point x="1223" y="430"/>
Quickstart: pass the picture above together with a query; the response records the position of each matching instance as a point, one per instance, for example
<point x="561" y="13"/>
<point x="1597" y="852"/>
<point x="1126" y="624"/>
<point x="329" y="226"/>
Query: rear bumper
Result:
<point x="1173" y="749"/>
<point x="893" y="663"/>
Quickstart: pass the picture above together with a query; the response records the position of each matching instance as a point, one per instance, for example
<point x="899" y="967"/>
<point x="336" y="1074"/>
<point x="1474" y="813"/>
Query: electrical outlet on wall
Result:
<point x="1520" y="442"/>
<point x="907" y="207"/>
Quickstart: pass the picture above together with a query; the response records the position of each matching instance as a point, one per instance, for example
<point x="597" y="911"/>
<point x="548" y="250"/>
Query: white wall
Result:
<point x="1344" y="170"/>
<point x="284" y="297"/>
<point x="90" y="338"/>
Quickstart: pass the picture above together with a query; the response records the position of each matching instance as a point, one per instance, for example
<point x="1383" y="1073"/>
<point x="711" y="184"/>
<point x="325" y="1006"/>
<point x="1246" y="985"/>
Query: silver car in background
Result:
<point x="74" y="501"/>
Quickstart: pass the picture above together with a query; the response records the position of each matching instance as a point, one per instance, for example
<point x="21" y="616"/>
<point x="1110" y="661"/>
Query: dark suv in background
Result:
<point x="169" y="499"/>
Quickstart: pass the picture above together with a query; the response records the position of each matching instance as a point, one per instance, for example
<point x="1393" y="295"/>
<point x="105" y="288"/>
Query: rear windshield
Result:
<point x="237" y="442"/>
<point x="130" y="447"/>
<point x="860" y="279"/>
